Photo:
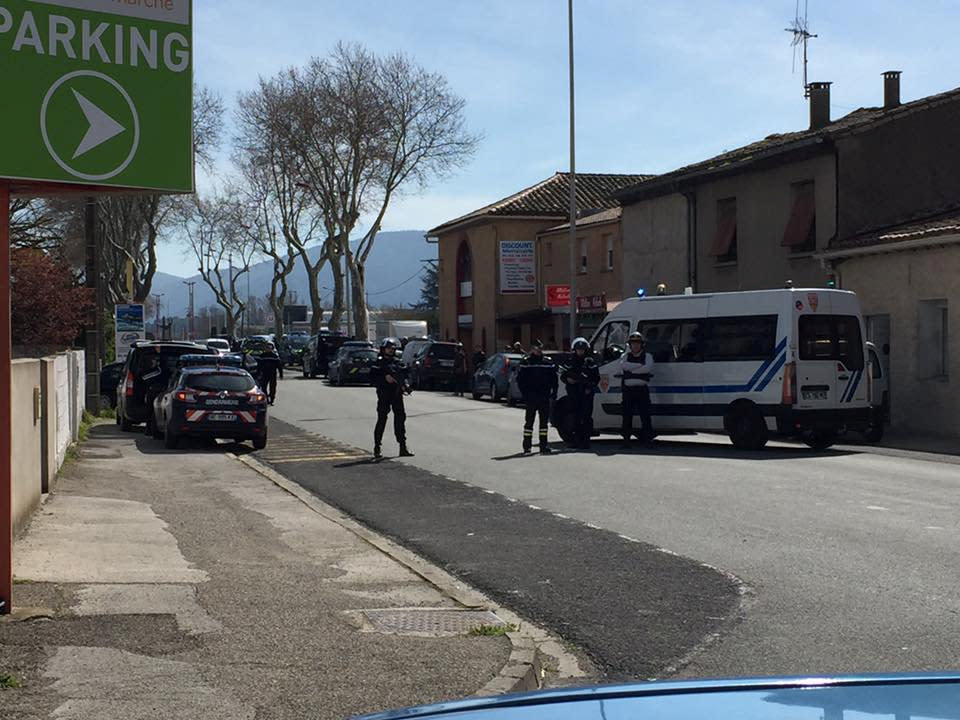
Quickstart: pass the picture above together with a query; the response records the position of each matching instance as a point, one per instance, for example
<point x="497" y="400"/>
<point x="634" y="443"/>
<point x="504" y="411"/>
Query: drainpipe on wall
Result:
<point x="691" y="197"/>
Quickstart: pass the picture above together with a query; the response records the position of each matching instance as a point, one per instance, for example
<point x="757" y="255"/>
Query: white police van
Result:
<point x="753" y="365"/>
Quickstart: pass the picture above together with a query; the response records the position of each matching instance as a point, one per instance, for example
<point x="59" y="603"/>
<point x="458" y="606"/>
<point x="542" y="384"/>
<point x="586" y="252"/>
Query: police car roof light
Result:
<point x="641" y="292"/>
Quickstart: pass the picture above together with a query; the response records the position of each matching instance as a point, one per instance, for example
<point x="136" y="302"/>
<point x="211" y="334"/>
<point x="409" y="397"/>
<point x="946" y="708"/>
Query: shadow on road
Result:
<point x="693" y="448"/>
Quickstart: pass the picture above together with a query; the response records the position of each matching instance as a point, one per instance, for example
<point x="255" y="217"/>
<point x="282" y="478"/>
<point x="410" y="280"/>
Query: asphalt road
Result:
<point x="849" y="557"/>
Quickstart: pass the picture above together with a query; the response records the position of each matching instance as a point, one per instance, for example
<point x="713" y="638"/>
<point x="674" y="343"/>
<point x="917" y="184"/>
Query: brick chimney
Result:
<point x="819" y="104"/>
<point x="891" y="89"/>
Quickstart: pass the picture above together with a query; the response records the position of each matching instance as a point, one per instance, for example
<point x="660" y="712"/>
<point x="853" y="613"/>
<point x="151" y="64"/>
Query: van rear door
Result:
<point x="830" y="362"/>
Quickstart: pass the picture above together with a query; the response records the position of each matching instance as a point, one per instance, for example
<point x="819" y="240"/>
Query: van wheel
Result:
<point x="747" y="428"/>
<point x="873" y="434"/>
<point x="563" y="421"/>
<point x="820" y="439"/>
<point x="125" y="424"/>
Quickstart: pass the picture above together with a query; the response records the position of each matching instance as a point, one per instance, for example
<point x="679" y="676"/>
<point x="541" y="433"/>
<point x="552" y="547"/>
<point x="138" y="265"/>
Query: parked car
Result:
<point x="879" y="394"/>
<point x="433" y="365"/>
<point x="513" y="394"/>
<point x="411" y="349"/>
<point x="493" y="376"/>
<point x="217" y="402"/>
<point x="109" y="380"/>
<point x="351" y="365"/>
<point x="146" y="371"/>
<point x="293" y="347"/>
<point x="221" y="345"/>
<point x="926" y="695"/>
<point x="319" y="351"/>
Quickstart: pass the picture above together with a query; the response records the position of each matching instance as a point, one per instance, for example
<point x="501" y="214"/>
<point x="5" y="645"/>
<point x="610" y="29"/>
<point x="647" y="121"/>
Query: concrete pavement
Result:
<point x="183" y="584"/>
<point x="848" y="554"/>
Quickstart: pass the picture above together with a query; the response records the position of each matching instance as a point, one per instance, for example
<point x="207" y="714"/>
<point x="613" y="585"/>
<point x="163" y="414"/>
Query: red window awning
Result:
<point x="726" y="231"/>
<point x="801" y="220"/>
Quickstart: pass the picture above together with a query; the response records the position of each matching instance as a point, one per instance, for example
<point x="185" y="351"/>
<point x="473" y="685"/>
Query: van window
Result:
<point x="611" y="341"/>
<point x="740" y="338"/>
<point x="443" y="351"/>
<point x="831" y="337"/>
<point x="672" y="340"/>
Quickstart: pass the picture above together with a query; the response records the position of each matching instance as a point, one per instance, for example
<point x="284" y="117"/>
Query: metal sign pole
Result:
<point x="574" y="260"/>
<point x="6" y="387"/>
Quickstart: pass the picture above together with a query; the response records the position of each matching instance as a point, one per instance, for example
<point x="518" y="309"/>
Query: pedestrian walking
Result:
<point x="537" y="379"/>
<point x="636" y="371"/>
<point x="580" y="378"/>
<point x="269" y="366"/>
<point x="459" y="370"/>
<point x="389" y="376"/>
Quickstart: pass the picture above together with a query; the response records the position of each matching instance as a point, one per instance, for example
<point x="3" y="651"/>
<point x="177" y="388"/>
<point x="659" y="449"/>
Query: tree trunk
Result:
<point x="359" y="297"/>
<point x="316" y="305"/>
<point x="336" y="313"/>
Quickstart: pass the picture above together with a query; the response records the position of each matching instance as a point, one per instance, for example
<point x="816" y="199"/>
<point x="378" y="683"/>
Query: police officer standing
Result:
<point x="268" y="366"/>
<point x="537" y="379"/>
<point x="636" y="367"/>
<point x="581" y="377"/>
<point x="389" y="376"/>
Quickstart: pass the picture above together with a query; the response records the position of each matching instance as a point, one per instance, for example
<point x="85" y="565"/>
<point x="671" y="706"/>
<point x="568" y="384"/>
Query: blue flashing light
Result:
<point x="641" y="292"/>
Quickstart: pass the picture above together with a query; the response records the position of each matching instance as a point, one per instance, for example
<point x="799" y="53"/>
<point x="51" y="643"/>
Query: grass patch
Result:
<point x="492" y="630"/>
<point x="9" y="682"/>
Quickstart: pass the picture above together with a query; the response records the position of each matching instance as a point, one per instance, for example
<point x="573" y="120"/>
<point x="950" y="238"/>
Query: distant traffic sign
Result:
<point x="97" y="92"/>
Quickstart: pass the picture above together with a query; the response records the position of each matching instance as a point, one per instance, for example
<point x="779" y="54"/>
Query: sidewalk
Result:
<point x="182" y="584"/>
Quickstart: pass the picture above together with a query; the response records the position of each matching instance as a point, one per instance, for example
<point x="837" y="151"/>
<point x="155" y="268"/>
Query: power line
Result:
<point x="381" y="292"/>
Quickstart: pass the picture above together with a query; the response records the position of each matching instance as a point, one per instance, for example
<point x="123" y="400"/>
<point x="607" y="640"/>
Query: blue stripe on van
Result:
<point x="778" y="355"/>
<point x="854" y="382"/>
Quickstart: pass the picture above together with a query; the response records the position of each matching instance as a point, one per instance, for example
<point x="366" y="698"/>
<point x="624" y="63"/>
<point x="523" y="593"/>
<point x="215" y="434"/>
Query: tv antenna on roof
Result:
<point x="801" y="35"/>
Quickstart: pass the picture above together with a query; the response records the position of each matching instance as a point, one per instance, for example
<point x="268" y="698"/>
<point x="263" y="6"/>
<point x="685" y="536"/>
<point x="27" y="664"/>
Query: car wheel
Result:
<point x="304" y="368"/>
<point x="476" y="392"/>
<point x="821" y="439"/>
<point x="494" y="394"/>
<point x="125" y="424"/>
<point x="259" y="443"/>
<point x="171" y="441"/>
<point x="747" y="428"/>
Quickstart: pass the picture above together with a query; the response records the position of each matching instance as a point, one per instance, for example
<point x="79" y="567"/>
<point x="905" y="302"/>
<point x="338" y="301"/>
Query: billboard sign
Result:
<point x="558" y="296"/>
<point x="592" y="303"/>
<point x="518" y="267"/>
<point x="130" y="327"/>
<point x="99" y="92"/>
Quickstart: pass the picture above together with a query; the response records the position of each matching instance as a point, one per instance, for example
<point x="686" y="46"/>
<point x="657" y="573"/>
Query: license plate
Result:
<point x="222" y="417"/>
<point x="446" y="363"/>
<point x="364" y="371"/>
<point x="814" y="394"/>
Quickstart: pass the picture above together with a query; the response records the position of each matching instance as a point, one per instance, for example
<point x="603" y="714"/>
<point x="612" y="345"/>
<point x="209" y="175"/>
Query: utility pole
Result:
<point x="6" y="386"/>
<point x="156" y="318"/>
<point x="190" y="329"/>
<point x="574" y="260"/>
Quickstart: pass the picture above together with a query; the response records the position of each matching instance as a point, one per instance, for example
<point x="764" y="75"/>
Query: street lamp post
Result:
<point x="190" y="329"/>
<point x="573" y="187"/>
<point x="156" y="322"/>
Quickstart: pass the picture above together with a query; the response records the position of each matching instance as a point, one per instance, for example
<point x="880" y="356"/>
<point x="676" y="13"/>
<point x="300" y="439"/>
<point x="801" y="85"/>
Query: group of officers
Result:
<point x="538" y="378"/>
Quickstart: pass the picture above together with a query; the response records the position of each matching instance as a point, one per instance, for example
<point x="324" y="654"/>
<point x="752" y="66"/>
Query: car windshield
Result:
<point x="164" y="359"/>
<point x="363" y="354"/>
<point x="214" y="382"/>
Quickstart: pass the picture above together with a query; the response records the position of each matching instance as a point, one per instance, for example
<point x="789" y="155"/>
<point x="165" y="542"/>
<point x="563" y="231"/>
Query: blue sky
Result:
<point x="659" y="84"/>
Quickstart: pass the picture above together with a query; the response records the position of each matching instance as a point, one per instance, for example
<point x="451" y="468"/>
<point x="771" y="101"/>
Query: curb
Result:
<point x="524" y="669"/>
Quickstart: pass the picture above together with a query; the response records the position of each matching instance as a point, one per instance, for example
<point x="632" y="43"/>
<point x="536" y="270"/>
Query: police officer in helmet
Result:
<point x="537" y="378"/>
<point x="636" y="369"/>
<point x="389" y="376"/>
<point x="581" y="377"/>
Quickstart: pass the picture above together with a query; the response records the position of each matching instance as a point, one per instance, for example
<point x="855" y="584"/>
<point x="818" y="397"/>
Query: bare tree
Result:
<point x="221" y="248"/>
<point x="273" y="175"/>
<point x="366" y="129"/>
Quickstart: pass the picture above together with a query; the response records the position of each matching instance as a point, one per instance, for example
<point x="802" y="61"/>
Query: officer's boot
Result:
<point x="527" y="440"/>
<point x="544" y="446"/>
<point x="404" y="450"/>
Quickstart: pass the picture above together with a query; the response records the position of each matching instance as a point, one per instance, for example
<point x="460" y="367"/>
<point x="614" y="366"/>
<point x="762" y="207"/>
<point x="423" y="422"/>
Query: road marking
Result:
<point x="534" y="507"/>
<point x="561" y="516"/>
<point x="877" y="507"/>
<point x="933" y="527"/>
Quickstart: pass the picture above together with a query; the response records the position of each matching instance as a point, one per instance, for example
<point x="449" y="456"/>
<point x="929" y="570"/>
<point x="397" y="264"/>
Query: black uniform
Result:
<point x="537" y="379"/>
<point x="269" y="366"/>
<point x="390" y="397"/>
<point x="581" y="377"/>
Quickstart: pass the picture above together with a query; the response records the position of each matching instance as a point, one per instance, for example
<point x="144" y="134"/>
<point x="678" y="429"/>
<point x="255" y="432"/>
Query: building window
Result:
<point x="725" y="241"/>
<point x="801" y="232"/>
<point x="583" y="255"/>
<point x="608" y="244"/>
<point x="548" y="253"/>
<point x="933" y="341"/>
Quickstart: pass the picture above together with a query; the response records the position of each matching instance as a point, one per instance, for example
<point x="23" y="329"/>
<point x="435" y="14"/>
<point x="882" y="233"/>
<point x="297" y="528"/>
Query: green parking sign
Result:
<point x="97" y="92"/>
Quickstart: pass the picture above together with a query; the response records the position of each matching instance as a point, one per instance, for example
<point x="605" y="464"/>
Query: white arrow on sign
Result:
<point x="102" y="126"/>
